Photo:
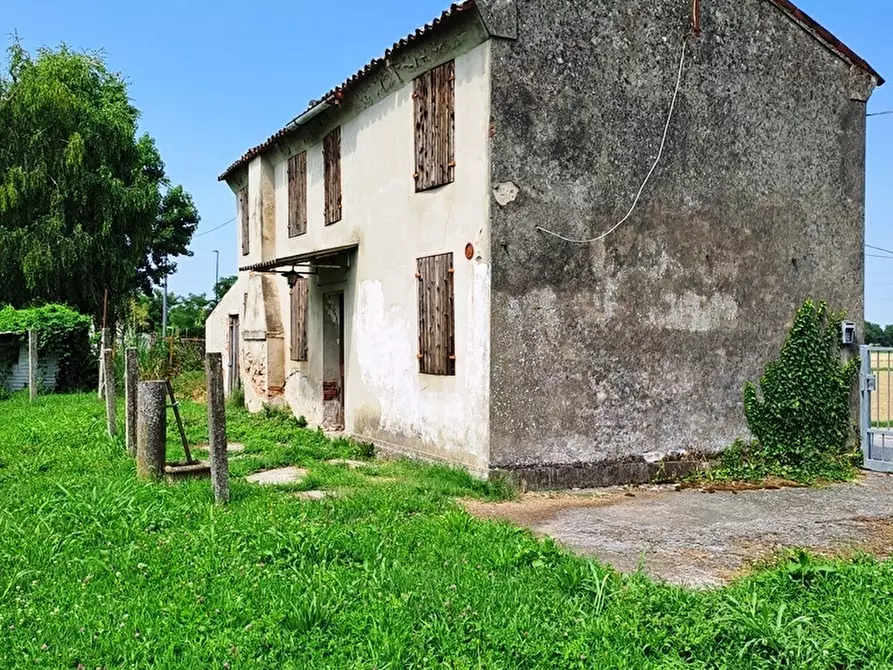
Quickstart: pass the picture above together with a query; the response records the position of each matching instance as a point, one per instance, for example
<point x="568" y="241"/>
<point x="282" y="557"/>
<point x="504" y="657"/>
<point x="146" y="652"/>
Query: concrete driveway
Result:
<point x="702" y="539"/>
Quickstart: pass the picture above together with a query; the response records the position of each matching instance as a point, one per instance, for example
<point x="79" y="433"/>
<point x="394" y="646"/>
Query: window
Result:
<point x="437" y="341"/>
<point x="299" y="320"/>
<point x="434" y="127"/>
<point x="297" y="195"/>
<point x="331" y="148"/>
<point x="243" y="218"/>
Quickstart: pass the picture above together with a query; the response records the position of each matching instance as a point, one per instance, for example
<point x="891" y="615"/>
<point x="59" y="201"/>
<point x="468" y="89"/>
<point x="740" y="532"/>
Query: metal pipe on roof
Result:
<point x="310" y="114"/>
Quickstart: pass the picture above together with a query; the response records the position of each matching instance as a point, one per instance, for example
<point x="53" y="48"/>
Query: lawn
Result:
<point x="99" y="570"/>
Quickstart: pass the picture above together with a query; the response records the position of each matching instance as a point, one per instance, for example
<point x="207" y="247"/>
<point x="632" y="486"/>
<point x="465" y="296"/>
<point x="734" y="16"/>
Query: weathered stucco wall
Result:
<point x="610" y="355"/>
<point x="391" y="226"/>
<point x="217" y="323"/>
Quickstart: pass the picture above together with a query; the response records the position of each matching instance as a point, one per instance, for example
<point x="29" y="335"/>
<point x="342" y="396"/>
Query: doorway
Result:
<point x="234" y="379"/>
<point x="333" y="361"/>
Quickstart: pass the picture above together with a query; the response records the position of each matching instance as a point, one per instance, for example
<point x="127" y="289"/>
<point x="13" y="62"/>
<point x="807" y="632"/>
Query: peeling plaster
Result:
<point x="505" y="193"/>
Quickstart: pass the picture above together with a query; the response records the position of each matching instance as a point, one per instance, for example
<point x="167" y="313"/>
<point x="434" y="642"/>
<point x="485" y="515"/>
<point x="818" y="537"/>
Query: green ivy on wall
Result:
<point x="800" y="411"/>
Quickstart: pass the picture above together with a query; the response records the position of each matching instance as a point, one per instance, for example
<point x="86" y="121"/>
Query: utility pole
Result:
<point x="216" y="270"/>
<point x="164" y="309"/>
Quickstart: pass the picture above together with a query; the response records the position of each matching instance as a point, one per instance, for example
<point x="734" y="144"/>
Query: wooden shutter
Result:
<point x="437" y="339"/>
<point x="243" y="219"/>
<point x="332" y="160"/>
<point x="299" y="320"/>
<point x="297" y="195"/>
<point x="435" y="127"/>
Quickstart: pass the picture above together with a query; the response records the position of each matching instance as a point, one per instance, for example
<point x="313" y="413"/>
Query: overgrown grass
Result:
<point x="100" y="570"/>
<point x="746" y="461"/>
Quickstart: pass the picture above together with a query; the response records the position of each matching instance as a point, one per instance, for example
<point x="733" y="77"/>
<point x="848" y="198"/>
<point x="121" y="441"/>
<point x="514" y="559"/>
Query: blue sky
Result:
<point x="213" y="79"/>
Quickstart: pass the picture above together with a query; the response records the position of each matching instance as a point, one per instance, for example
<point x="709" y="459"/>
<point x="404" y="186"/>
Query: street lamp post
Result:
<point x="216" y="268"/>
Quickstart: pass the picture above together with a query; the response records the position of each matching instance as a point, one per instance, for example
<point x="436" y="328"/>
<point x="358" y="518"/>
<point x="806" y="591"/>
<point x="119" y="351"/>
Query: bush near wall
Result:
<point x="800" y="411"/>
<point x="62" y="331"/>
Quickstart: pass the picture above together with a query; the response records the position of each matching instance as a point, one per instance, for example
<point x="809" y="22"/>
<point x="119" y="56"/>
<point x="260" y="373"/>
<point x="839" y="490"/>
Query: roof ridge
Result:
<point x="335" y="95"/>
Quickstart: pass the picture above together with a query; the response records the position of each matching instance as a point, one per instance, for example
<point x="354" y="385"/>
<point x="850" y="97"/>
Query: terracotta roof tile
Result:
<point x="337" y="93"/>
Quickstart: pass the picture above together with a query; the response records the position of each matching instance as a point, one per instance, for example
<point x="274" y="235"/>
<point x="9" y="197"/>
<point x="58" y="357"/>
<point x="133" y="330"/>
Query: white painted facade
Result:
<point x="385" y="227"/>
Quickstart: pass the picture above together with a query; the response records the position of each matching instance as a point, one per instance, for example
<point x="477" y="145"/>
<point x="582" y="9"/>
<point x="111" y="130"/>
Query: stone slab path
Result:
<point x="278" y="477"/>
<point x="701" y="539"/>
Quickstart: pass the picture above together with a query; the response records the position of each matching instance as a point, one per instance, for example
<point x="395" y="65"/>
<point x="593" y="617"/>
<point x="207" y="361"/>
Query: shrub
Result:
<point x="800" y="412"/>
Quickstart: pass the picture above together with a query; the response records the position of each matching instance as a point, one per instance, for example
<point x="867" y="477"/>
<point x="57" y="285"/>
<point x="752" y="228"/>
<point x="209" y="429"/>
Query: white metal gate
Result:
<point x="876" y="407"/>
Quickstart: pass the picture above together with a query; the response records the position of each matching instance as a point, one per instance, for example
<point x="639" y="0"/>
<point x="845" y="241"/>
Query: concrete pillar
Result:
<point x="111" y="407"/>
<point x="131" y="379"/>
<point x="32" y="364"/>
<point x="151" y="429"/>
<point x="103" y="345"/>
<point x="217" y="428"/>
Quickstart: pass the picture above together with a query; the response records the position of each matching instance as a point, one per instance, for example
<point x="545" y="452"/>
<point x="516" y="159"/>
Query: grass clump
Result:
<point x="98" y="569"/>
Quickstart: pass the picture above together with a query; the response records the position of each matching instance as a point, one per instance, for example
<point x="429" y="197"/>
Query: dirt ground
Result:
<point x="702" y="539"/>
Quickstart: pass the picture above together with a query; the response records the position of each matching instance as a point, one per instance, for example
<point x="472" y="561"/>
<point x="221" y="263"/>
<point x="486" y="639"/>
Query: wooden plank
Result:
<point x="420" y="266"/>
<point x="437" y="291"/>
<point x="297" y="195"/>
<point x="450" y="323"/>
<point x="434" y="93"/>
<point x="299" y="320"/>
<point x="436" y="315"/>
<point x="243" y="220"/>
<point x="332" y="160"/>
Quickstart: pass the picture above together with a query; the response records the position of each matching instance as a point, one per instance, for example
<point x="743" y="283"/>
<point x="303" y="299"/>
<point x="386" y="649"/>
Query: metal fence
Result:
<point x="876" y="409"/>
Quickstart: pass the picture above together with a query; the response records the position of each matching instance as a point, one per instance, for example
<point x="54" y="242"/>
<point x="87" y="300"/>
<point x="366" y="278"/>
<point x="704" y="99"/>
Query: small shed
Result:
<point x="14" y="364"/>
<point x="65" y="358"/>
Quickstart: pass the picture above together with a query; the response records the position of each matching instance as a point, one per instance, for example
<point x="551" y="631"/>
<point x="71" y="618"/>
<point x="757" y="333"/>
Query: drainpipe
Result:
<point x="164" y="309"/>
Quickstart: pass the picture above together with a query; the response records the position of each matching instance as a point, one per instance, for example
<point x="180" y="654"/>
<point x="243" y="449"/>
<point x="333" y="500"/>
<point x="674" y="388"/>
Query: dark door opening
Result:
<point x="333" y="361"/>
<point x="234" y="379"/>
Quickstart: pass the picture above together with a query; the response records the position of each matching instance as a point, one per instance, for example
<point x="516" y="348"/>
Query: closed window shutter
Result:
<point x="332" y="169"/>
<point x="299" y="320"/>
<point x="297" y="195"/>
<point x="435" y="122"/>
<point x="437" y="339"/>
<point x="243" y="220"/>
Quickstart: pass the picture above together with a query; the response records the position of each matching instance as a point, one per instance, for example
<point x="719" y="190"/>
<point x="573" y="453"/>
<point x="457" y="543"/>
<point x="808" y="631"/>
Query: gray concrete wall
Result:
<point x="612" y="355"/>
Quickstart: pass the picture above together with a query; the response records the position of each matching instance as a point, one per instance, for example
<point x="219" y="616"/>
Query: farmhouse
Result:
<point x="552" y="238"/>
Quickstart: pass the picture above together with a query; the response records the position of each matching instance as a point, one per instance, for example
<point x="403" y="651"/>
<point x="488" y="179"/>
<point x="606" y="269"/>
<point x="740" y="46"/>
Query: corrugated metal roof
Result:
<point x="336" y="94"/>
<point x="447" y="17"/>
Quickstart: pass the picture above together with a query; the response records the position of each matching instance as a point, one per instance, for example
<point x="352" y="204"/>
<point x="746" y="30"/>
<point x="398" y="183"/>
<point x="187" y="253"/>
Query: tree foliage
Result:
<point x="875" y="334"/>
<point x="85" y="203"/>
<point x="222" y="287"/>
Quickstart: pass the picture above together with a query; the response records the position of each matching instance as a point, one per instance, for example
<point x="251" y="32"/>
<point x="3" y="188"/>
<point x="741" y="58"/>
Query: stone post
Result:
<point x="103" y="345"/>
<point x="131" y="379"/>
<point x="151" y="429"/>
<point x="32" y="364"/>
<point x="217" y="428"/>
<point x="111" y="407"/>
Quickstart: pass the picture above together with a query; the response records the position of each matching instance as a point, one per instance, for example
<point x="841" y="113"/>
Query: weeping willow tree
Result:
<point x="85" y="204"/>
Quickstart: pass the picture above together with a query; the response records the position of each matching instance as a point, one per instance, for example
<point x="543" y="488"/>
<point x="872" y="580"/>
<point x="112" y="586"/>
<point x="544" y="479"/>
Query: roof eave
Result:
<point x="824" y="36"/>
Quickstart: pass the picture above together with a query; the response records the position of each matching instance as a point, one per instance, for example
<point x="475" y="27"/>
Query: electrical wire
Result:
<point x="886" y="251"/>
<point x="208" y="232"/>
<point x="660" y="153"/>
<point x="880" y="113"/>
